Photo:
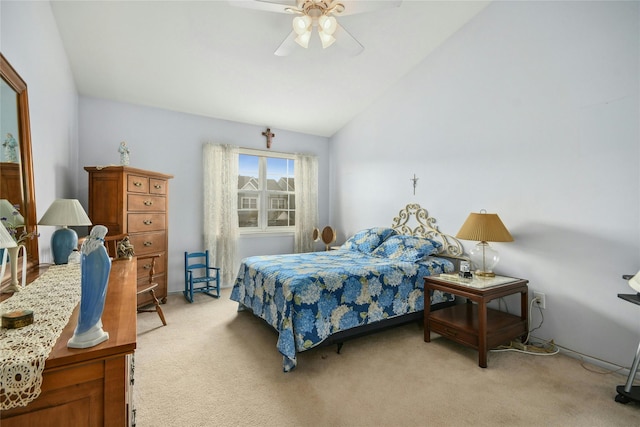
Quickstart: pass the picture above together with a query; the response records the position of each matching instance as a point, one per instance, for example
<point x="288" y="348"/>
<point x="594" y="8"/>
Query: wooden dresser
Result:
<point x="11" y="184"/>
<point x="135" y="202"/>
<point x="92" y="386"/>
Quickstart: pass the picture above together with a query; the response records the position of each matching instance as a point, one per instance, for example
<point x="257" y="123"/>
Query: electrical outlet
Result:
<point x="540" y="299"/>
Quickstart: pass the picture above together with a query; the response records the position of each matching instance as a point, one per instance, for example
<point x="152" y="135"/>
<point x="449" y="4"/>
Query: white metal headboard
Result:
<point x="426" y="227"/>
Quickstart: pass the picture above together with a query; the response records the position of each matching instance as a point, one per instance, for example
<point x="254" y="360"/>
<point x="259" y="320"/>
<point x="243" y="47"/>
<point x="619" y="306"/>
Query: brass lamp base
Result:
<point x="485" y="274"/>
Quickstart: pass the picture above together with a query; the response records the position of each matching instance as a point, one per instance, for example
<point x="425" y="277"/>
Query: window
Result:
<point x="266" y="192"/>
<point x="249" y="203"/>
<point x="278" y="203"/>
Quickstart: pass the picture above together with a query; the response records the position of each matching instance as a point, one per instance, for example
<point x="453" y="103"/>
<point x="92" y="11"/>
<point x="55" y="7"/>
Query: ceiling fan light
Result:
<point x="328" y="24"/>
<point x="301" y="24"/>
<point x="303" y="39"/>
<point x="326" y="39"/>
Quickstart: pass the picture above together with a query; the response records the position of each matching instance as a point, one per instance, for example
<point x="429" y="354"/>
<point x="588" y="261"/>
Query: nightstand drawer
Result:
<point x="454" y="333"/>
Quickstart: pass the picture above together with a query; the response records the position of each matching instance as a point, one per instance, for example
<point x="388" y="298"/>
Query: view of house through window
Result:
<point x="266" y="193"/>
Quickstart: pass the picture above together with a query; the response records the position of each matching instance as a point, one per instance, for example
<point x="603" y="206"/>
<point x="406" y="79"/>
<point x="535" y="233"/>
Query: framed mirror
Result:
<point x="16" y="163"/>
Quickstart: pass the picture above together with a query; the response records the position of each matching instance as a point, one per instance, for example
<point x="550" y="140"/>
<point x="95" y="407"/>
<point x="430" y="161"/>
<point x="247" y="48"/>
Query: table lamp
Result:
<point x="64" y="213"/>
<point x="484" y="227"/>
<point x="9" y="211"/>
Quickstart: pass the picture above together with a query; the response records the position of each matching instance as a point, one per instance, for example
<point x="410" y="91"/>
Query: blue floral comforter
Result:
<point x="307" y="297"/>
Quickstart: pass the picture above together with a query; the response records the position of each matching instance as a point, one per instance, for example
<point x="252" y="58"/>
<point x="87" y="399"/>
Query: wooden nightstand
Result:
<point x="475" y="325"/>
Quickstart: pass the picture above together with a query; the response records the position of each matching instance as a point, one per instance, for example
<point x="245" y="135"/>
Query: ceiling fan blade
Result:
<point x="287" y="46"/>
<point x="262" y="5"/>
<point x="347" y="42"/>
<point x="364" y="6"/>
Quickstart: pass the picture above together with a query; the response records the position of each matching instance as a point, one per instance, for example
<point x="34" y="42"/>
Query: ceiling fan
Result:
<point x="318" y="14"/>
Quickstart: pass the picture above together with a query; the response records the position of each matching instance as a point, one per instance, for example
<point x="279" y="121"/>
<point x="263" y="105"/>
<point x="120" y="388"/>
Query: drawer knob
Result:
<point x="147" y="222"/>
<point x="148" y="243"/>
<point x="157" y="186"/>
<point x="148" y="202"/>
<point x="147" y="266"/>
<point x="137" y="183"/>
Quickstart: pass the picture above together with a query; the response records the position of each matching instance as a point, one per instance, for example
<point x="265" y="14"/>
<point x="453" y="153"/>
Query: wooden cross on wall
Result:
<point x="269" y="135"/>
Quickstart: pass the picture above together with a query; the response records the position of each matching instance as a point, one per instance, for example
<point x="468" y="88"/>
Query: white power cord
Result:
<point x="526" y="347"/>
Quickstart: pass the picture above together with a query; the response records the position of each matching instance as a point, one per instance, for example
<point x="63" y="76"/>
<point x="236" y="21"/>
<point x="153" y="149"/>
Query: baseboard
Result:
<point x="608" y="366"/>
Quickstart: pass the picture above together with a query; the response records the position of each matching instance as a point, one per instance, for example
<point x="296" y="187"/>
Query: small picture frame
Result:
<point x="465" y="270"/>
<point x="465" y="267"/>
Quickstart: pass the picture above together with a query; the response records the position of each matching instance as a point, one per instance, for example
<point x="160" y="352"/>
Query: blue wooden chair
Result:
<point x="199" y="277"/>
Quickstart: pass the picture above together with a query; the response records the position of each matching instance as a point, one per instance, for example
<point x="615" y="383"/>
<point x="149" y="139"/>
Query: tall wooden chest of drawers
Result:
<point x="134" y="202"/>
<point x="11" y="184"/>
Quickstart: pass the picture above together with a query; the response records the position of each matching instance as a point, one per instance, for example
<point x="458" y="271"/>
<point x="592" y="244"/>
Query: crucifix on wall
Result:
<point x="269" y="135"/>
<point x="415" y="183"/>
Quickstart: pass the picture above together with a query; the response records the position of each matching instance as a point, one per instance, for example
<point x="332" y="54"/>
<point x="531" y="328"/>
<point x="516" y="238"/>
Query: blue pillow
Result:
<point x="407" y="248"/>
<point x="367" y="240"/>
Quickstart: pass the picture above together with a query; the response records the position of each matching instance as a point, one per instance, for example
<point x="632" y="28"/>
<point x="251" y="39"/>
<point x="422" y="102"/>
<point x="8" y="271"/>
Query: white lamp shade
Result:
<point x="6" y="241"/>
<point x="301" y="24"/>
<point x="303" y="39"/>
<point x="9" y="211"/>
<point x="326" y="39"/>
<point x="328" y="24"/>
<point x="65" y="212"/>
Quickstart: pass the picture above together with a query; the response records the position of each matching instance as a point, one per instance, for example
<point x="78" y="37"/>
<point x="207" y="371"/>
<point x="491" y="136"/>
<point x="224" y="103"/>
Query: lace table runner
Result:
<point x="52" y="298"/>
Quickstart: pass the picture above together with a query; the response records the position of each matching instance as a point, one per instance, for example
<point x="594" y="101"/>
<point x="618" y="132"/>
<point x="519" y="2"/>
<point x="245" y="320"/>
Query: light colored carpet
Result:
<point x="213" y="366"/>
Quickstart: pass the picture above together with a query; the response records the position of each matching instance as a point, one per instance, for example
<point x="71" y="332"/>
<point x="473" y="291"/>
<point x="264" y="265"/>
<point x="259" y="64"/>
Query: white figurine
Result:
<point x="10" y="153"/>
<point x="124" y="154"/>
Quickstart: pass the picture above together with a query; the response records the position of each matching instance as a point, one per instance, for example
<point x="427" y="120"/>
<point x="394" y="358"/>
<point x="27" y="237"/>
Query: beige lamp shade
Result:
<point x="9" y="211"/>
<point x="65" y="212"/>
<point x="484" y="227"/>
<point x="6" y="241"/>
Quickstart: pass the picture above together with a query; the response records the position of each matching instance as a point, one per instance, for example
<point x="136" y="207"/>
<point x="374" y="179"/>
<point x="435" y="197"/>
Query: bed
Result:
<point x="373" y="281"/>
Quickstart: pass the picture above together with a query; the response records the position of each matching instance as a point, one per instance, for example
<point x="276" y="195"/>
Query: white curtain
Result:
<point x="306" y="181"/>
<point x="221" y="229"/>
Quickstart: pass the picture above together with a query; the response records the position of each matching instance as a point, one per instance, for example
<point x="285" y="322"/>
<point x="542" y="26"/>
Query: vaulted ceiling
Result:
<point x="214" y="59"/>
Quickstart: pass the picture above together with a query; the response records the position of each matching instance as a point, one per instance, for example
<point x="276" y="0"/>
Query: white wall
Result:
<point x="30" y="41"/>
<point x="530" y="111"/>
<point x="171" y="143"/>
